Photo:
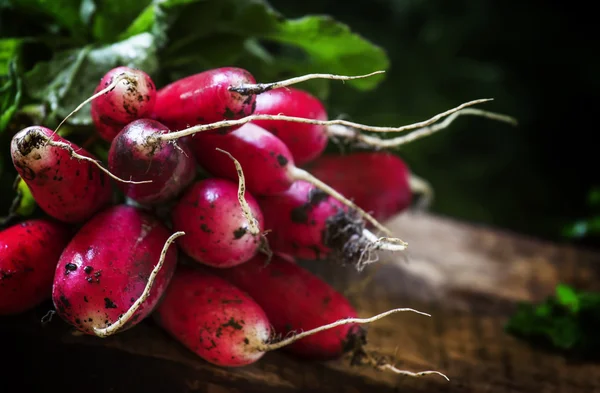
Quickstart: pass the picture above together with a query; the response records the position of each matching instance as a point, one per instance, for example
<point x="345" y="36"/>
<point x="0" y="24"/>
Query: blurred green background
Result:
<point x="537" y="59"/>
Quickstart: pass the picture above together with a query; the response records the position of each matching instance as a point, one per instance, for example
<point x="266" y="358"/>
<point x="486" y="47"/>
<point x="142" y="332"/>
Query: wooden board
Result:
<point x="469" y="278"/>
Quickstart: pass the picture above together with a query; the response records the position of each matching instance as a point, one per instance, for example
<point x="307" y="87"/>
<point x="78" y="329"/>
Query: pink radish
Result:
<point x="218" y="233"/>
<point x="305" y="141"/>
<point x="106" y="280"/>
<point x="378" y="182"/>
<point x="68" y="189"/>
<point x="306" y="223"/>
<point x="223" y="324"/>
<point x="169" y="166"/>
<point x="134" y="98"/>
<point x="29" y="252"/>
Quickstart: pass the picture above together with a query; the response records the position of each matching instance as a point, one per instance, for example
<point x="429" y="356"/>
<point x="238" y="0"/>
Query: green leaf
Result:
<point x="112" y="17"/>
<point x="333" y="48"/>
<point x="566" y="296"/>
<point x="27" y="203"/>
<point x="66" y="13"/>
<point x="10" y="94"/>
<point x="71" y="76"/>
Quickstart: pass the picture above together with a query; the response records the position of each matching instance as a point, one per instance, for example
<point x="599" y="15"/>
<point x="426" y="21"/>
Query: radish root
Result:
<point x="342" y="132"/>
<point x="299" y="336"/>
<point x="123" y="319"/>
<point x="347" y="133"/>
<point x="249" y="89"/>
<point x="111" y="86"/>
<point x="421" y="186"/>
<point x="246" y="211"/>
<point x="78" y="156"/>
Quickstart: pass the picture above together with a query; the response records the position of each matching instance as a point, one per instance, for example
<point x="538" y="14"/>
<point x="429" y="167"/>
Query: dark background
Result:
<point x="538" y="60"/>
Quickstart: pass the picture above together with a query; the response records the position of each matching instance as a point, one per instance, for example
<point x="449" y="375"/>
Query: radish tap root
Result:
<point x="123" y="319"/>
<point x="289" y="340"/>
<point x="111" y="86"/>
<point x="246" y="211"/>
<point x="258" y="88"/>
<point x="421" y="186"/>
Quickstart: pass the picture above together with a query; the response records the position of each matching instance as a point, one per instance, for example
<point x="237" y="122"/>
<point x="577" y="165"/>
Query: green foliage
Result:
<point x="567" y="322"/>
<point x="588" y="227"/>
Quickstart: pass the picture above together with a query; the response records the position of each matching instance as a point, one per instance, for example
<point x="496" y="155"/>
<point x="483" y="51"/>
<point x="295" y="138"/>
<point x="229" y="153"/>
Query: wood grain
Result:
<point x="469" y="278"/>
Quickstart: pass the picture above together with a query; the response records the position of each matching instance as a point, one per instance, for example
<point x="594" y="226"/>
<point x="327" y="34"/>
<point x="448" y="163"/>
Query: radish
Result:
<point x="70" y="190"/>
<point x="218" y="233"/>
<point x="306" y="223"/>
<point x="278" y="285"/>
<point x="305" y="141"/>
<point x="221" y="323"/>
<point x="268" y="162"/>
<point x="125" y="102"/>
<point x="29" y="252"/>
<point x="106" y="279"/>
<point x="378" y="182"/>
<point x="169" y="166"/>
<point x="218" y="94"/>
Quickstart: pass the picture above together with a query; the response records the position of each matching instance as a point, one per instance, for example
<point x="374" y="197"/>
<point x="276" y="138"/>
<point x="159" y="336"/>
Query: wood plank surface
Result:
<point x="468" y="277"/>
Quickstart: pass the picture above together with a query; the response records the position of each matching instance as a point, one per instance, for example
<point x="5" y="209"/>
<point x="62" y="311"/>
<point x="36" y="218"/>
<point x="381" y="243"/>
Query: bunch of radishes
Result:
<point x="212" y="163"/>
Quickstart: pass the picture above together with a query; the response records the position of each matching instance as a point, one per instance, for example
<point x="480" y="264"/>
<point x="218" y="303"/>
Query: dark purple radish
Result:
<point x="131" y="99"/>
<point x="217" y="231"/>
<point x="29" y="252"/>
<point x="221" y="323"/>
<point x="169" y="166"/>
<point x="268" y="163"/>
<point x="305" y="141"/>
<point x="66" y="188"/>
<point x="113" y="272"/>
<point x="306" y="223"/>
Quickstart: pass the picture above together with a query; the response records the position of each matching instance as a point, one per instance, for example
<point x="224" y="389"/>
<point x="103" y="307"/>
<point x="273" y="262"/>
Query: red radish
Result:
<point x="169" y="166"/>
<point x="29" y="252"/>
<point x="219" y="94"/>
<point x="305" y="141"/>
<point x="134" y="98"/>
<point x="378" y="182"/>
<point x="306" y="223"/>
<point x="266" y="160"/>
<point x="295" y="299"/>
<point x="106" y="279"/>
<point x="70" y="190"/>
<point x="223" y="324"/>
<point x="217" y="232"/>
<point x="204" y="98"/>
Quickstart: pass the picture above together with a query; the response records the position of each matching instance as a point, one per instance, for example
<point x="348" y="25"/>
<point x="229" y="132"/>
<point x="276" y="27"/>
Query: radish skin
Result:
<point x="29" y="252"/>
<point x="221" y="323"/>
<point x="105" y="268"/>
<point x="70" y="190"/>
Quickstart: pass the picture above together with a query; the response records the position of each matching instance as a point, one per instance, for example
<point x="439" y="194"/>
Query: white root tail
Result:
<point x="420" y="186"/>
<point x="249" y="89"/>
<point x="299" y="336"/>
<point x="348" y="133"/>
<point x="78" y="156"/>
<point x="121" y="77"/>
<point x="238" y="122"/>
<point x="395" y="370"/>
<point x="123" y="319"/>
<point x="246" y="211"/>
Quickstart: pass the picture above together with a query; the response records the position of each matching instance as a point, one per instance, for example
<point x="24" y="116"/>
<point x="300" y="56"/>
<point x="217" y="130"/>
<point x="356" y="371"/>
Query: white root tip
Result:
<point x="123" y="319"/>
<point x="246" y="211"/>
<point x="108" y="88"/>
<point x="395" y="370"/>
<point x="420" y="186"/>
<point x="299" y="336"/>
<point x="249" y="89"/>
